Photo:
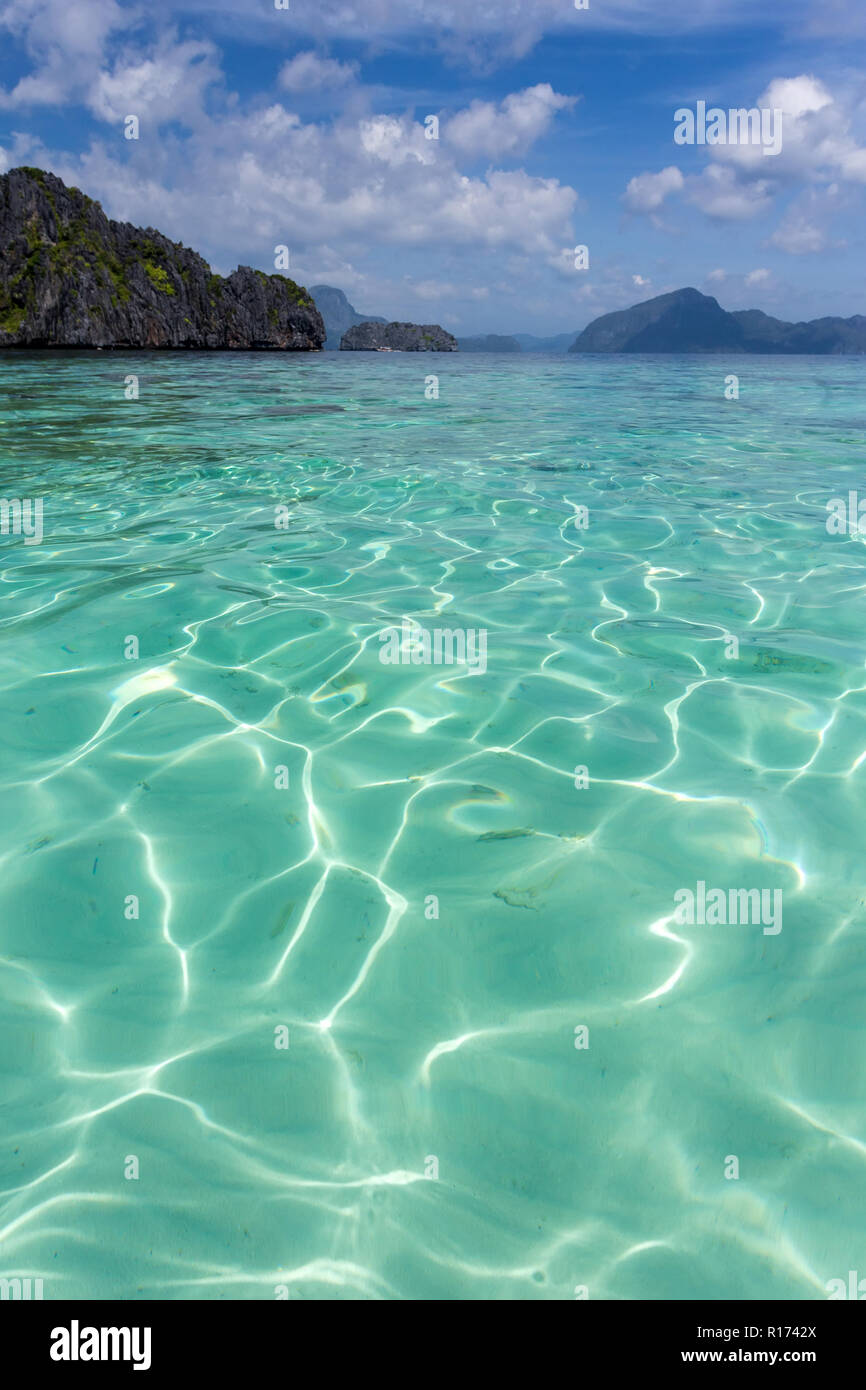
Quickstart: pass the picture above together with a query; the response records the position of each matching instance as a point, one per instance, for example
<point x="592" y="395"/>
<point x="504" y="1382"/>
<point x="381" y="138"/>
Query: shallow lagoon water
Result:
<point x="418" y="1042"/>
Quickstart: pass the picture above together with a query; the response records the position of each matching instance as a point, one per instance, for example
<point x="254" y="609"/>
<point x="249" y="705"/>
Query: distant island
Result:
<point x="688" y="321"/>
<point x="681" y="321"/>
<point x="350" y="331"/>
<point x="490" y="342"/>
<point x="559" y="342"/>
<point x="71" y="277"/>
<point x="339" y="315"/>
<point x="398" y="337"/>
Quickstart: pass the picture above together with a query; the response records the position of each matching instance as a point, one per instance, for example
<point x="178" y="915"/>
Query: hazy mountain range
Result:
<point x="688" y="321"/>
<point x="682" y="321"/>
<point x="72" y="277"/>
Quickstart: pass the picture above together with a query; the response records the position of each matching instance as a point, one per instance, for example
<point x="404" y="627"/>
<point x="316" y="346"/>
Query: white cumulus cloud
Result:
<point x="509" y="127"/>
<point x="647" y="192"/>
<point x="722" y="195"/>
<point x="308" y="72"/>
<point x="168" y="85"/>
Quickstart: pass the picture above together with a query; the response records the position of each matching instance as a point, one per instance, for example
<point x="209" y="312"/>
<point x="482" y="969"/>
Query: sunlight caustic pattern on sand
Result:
<point x="431" y="1130"/>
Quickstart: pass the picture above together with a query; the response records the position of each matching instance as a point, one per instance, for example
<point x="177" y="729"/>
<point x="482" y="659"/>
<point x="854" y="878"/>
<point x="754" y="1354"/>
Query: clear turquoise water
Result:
<point x="413" y="1038"/>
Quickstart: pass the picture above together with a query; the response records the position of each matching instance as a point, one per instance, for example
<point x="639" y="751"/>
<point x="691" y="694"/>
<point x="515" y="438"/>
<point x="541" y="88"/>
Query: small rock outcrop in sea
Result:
<point x="71" y="277"/>
<point x="398" y="337"/>
<point x="688" y="321"/>
<point x="338" y="313"/>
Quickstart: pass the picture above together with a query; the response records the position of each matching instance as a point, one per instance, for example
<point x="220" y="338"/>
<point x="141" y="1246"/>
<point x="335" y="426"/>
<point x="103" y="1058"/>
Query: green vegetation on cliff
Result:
<point x="69" y="276"/>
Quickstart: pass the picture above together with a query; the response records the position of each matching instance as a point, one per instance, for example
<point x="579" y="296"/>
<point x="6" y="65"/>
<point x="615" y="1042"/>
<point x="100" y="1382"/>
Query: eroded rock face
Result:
<point x="399" y="337"/>
<point x="72" y="277"/>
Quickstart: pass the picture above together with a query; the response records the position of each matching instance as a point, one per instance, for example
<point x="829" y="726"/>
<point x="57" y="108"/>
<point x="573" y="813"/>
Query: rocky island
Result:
<point x="398" y="337"/>
<point x="72" y="277"/>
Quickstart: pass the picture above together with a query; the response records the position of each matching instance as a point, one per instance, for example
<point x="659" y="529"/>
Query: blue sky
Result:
<point x="306" y="128"/>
